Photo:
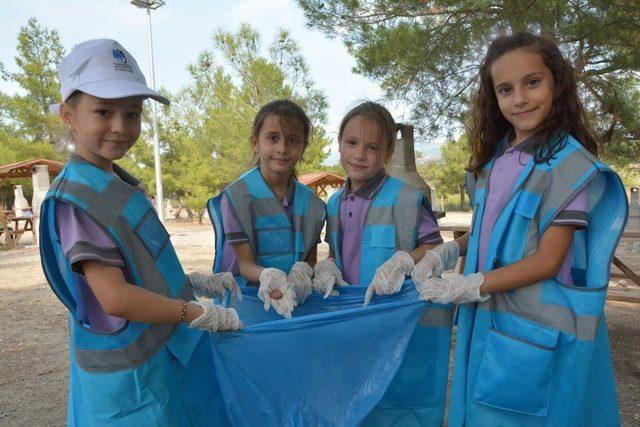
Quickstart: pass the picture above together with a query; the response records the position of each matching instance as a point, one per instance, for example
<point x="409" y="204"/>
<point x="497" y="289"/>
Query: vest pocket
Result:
<point x="274" y="241"/>
<point x="152" y="233"/>
<point x="383" y="236"/>
<point x="527" y="204"/>
<point x="514" y="242"/>
<point x="515" y="375"/>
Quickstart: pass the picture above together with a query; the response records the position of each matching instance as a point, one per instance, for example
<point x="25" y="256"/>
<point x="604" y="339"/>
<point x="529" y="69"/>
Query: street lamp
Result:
<point x="153" y="5"/>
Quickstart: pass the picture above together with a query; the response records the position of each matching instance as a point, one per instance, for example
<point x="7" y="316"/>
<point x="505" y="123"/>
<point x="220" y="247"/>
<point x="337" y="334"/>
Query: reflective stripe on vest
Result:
<point x="127" y="216"/>
<point x="391" y="224"/>
<point x="276" y="241"/>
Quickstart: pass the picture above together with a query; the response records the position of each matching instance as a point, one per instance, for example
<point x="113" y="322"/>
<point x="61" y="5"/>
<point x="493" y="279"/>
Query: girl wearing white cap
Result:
<point x="137" y="347"/>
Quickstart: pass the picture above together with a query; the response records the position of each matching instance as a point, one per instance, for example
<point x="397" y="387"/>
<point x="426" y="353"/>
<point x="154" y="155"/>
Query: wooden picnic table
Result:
<point x="13" y="227"/>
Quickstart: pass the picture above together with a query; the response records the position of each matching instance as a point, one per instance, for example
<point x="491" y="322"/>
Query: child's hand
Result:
<point x="389" y="276"/>
<point x="299" y="279"/>
<point x="326" y="275"/>
<point x="274" y="281"/>
<point x="435" y="262"/>
<point x="454" y="288"/>
<point x="211" y="285"/>
<point x="216" y="318"/>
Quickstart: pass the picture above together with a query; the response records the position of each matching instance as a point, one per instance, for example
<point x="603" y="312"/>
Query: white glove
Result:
<point x="455" y="288"/>
<point x="216" y="318"/>
<point x="390" y="275"/>
<point x="272" y="279"/>
<point x="434" y="262"/>
<point x="299" y="279"/>
<point x="210" y="285"/>
<point x="326" y="275"/>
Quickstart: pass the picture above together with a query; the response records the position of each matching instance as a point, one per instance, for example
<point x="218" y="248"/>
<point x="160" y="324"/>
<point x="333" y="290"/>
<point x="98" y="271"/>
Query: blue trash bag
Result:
<point x="329" y="365"/>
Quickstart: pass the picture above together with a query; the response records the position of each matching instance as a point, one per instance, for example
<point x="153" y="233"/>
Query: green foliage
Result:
<point x="26" y="115"/>
<point x="447" y="175"/>
<point x="205" y="133"/>
<point x="427" y="54"/>
<point x="455" y="156"/>
<point x="453" y="203"/>
<point x="27" y="130"/>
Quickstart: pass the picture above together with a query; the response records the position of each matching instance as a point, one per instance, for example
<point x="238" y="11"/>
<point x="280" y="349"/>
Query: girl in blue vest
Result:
<point x="531" y="346"/>
<point x="270" y="220"/>
<point x="378" y="226"/>
<point x="137" y="345"/>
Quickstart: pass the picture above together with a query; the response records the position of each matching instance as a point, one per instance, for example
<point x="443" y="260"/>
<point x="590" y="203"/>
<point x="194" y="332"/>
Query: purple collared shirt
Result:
<point x="506" y="170"/>
<point x="353" y="211"/>
<point x="82" y="240"/>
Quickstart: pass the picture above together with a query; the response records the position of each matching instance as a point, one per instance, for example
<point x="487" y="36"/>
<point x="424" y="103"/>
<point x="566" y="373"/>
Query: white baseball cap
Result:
<point x="104" y="69"/>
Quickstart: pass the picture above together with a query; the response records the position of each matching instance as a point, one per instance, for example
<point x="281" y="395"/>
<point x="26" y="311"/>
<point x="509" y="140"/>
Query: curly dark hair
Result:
<point x="567" y="116"/>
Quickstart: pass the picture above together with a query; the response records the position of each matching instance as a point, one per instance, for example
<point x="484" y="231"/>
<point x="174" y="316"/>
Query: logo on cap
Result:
<point x="119" y="55"/>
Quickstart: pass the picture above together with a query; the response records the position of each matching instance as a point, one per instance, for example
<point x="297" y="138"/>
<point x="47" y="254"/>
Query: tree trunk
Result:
<point x="177" y="211"/>
<point x="463" y="202"/>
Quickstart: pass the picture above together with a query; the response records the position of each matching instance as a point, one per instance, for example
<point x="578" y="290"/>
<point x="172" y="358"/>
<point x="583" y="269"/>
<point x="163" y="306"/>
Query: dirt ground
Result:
<point x="34" y="350"/>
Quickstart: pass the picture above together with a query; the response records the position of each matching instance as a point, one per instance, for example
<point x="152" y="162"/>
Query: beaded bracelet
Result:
<point x="183" y="314"/>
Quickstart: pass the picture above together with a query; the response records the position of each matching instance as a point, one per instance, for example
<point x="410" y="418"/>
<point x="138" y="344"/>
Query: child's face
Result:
<point x="363" y="151"/>
<point x="280" y="144"/>
<point x="525" y="88"/>
<point x="103" y="129"/>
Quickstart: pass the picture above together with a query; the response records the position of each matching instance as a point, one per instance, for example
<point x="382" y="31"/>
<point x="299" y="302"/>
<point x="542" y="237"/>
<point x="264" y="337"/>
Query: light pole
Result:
<point x="149" y="5"/>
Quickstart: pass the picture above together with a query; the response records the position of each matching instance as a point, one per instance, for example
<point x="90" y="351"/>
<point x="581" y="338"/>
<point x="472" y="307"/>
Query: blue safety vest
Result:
<point x="416" y="395"/>
<point x="275" y="240"/>
<point x="391" y="224"/>
<point x="144" y="372"/>
<point x="539" y="355"/>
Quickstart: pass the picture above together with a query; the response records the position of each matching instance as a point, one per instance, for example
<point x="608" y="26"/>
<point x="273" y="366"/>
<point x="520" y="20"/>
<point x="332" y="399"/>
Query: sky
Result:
<point x="183" y="28"/>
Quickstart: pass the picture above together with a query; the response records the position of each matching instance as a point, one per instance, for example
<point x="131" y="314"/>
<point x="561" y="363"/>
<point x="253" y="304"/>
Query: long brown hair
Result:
<point x="289" y="112"/>
<point x="567" y="116"/>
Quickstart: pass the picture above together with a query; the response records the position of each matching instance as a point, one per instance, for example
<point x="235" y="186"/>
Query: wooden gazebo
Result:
<point x="21" y="170"/>
<point x="319" y="181"/>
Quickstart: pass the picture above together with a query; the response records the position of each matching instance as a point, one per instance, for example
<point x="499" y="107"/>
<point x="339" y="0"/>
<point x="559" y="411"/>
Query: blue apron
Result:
<point x="539" y="355"/>
<point x="416" y="396"/>
<point x="142" y="372"/>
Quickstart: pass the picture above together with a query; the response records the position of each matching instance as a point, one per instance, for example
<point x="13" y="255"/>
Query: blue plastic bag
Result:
<point x="327" y="366"/>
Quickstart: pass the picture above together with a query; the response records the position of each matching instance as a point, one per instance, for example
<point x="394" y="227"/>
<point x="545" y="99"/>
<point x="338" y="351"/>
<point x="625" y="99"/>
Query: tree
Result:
<point x="427" y="52"/>
<point x="26" y="115"/>
<point x="27" y="130"/>
<point x="205" y="132"/>
<point x="448" y="175"/>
